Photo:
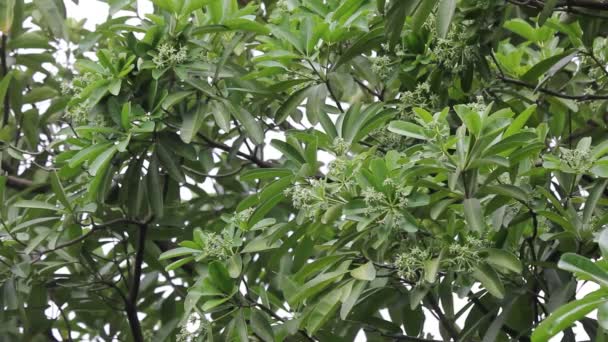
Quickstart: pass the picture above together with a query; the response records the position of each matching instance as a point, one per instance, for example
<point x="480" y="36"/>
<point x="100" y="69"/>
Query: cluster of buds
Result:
<point x="79" y="112"/>
<point x="578" y="160"/>
<point x="309" y="199"/>
<point x="381" y="66"/>
<point x="167" y="55"/>
<point x="340" y="146"/>
<point x="241" y="218"/>
<point x="217" y="246"/>
<point x="410" y="264"/>
<point x="453" y="49"/>
<point x="421" y="96"/>
<point x="479" y="105"/>
<point x="464" y="256"/>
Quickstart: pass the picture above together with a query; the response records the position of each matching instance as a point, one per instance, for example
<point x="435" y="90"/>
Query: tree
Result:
<point x="304" y="170"/>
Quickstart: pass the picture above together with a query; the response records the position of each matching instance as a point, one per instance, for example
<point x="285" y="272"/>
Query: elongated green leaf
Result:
<point x="474" y="215"/>
<point x="445" y="13"/>
<point x="584" y="267"/>
<point x="502" y="260"/>
<point x="490" y="280"/>
<point x="169" y="163"/>
<point x="566" y="315"/>
<point x="366" y="271"/>
<point x="594" y="196"/>
<point x="35" y="205"/>
<point x="407" y="129"/>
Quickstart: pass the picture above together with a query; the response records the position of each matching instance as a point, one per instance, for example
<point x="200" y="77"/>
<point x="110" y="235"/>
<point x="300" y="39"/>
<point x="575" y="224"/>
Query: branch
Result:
<point x="447" y="324"/>
<point x="131" y="306"/>
<point x="3" y="53"/>
<point x="585" y="97"/>
<point x="259" y="162"/>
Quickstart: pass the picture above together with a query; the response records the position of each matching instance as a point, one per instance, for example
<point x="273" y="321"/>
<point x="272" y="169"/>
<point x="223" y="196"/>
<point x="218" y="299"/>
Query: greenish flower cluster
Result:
<point x="455" y="52"/>
<point x="579" y="160"/>
<point x="458" y="256"/>
<point x="216" y="246"/>
<point x="241" y="218"/>
<point x="382" y="66"/>
<point x="167" y="55"/>
<point x="311" y="199"/>
<point x="340" y="146"/>
<point x="79" y="112"/>
<point x="421" y="96"/>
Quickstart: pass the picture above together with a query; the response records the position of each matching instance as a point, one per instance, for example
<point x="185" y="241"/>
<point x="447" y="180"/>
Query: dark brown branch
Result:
<point x="585" y="97"/>
<point x="3" y="54"/>
<point x="131" y="307"/>
<point x="259" y="162"/>
<point x="447" y="324"/>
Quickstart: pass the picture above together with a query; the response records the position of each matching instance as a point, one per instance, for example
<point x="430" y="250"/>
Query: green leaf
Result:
<point x="566" y="315"/>
<point x="155" y="188"/>
<point x="323" y="311"/>
<point x="547" y="66"/>
<point x="474" y="215"/>
<point x="502" y="260"/>
<point x="507" y="190"/>
<point x="87" y="154"/>
<point x="170" y="164"/>
<point x="365" y="43"/>
<point x="220" y="277"/>
<point x="582" y="266"/>
<point x="102" y="160"/>
<point x="252" y="126"/>
<point x="490" y="280"/>
<point x="175" y="98"/>
<point x="407" y="129"/>
<point x="32" y="204"/>
<point x="6" y="15"/>
<point x="59" y="191"/>
<point x="125" y="114"/>
<point x="290" y="105"/>
<point x="594" y="196"/>
<point x="364" y="272"/>
<point x="445" y="13"/>
<point x="422" y="12"/>
<point x="351" y="300"/>
<point x="265" y="173"/>
<point x="471" y="119"/>
<point x="519" y="121"/>
<point x="6" y="81"/>
<point x="178" y="252"/>
<point x="261" y="327"/>
<point x="191" y="122"/>
<point x="522" y="28"/>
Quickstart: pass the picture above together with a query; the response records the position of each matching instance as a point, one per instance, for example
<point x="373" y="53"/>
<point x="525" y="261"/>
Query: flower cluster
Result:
<point x="461" y="256"/>
<point x="79" y="111"/>
<point x="464" y="256"/>
<point x="217" y="246"/>
<point x="381" y="66"/>
<point x="340" y="146"/>
<point x="309" y="199"/>
<point x="167" y="55"/>
<point x="421" y="96"/>
<point x="578" y="160"/>
<point x="411" y="263"/>
<point x="241" y="218"/>
<point x="479" y="106"/>
<point x="454" y="52"/>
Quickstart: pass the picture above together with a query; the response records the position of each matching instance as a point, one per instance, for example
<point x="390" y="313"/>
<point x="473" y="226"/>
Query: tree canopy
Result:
<point x="304" y="170"/>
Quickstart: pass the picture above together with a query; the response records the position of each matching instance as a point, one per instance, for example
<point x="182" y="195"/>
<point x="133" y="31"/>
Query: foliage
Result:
<point x="294" y="170"/>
